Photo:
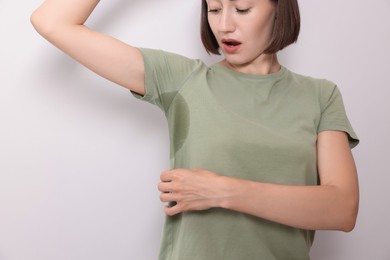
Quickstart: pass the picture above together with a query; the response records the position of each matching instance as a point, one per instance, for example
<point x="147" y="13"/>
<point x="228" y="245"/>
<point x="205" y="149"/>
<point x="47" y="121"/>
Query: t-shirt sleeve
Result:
<point x="333" y="115"/>
<point x="165" y="74"/>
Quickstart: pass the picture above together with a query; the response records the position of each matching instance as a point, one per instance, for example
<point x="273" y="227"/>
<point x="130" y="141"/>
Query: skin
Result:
<point x="61" y="22"/>
<point x="331" y="205"/>
<point x="249" y="22"/>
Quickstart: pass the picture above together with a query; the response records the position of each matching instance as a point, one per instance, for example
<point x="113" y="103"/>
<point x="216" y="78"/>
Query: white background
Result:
<point x="80" y="158"/>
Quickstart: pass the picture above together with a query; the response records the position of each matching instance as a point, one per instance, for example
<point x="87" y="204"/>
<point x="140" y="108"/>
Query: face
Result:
<point x="242" y="28"/>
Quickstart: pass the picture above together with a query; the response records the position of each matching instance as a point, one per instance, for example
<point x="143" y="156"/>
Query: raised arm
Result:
<point x="61" y="22"/>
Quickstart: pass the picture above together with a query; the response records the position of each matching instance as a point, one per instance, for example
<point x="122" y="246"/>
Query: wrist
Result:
<point x="232" y="191"/>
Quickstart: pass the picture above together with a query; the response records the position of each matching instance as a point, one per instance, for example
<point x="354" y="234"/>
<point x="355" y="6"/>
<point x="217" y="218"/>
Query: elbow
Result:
<point x="349" y="216"/>
<point x="41" y="24"/>
<point x="36" y="21"/>
<point x="348" y="225"/>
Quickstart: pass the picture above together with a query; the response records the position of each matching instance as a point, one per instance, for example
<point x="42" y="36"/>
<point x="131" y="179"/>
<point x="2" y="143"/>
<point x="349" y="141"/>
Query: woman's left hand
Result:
<point x="190" y="189"/>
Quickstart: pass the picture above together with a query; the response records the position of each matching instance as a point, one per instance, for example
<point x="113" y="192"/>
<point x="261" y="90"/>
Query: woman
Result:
<point x="260" y="155"/>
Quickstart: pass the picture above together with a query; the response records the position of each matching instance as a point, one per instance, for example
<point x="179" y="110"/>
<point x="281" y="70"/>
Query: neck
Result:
<point x="266" y="64"/>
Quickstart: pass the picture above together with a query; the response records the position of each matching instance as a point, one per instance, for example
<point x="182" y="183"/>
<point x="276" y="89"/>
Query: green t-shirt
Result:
<point x="257" y="127"/>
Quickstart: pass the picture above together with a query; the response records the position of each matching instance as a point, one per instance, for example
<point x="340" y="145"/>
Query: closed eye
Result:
<point x="243" y="11"/>
<point x="214" y="10"/>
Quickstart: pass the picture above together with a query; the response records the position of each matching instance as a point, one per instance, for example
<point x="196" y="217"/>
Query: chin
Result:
<point x="235" y="62"/>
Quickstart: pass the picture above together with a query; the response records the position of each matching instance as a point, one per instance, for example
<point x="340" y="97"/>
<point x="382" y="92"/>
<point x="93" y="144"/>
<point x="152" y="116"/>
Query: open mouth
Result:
<point x="231" y="43"/>
<point x="231" y="46"/>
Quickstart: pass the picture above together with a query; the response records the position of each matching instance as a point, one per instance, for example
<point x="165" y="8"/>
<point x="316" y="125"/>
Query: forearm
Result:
<point x="307" y="207"/>
<point x="333" y="205"/>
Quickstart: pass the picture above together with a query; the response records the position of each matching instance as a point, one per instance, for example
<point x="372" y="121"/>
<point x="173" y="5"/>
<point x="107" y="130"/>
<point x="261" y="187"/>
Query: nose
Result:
<point x="226" y="22"/>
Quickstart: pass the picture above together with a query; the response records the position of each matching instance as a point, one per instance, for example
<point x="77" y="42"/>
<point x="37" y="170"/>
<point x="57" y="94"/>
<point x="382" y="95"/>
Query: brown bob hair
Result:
<point x="286" y="28"/>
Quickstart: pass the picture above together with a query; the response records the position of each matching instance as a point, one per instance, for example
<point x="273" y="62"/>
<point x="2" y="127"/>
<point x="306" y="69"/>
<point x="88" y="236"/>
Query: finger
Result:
<point x="166" y="176"/>
<point x="171" y="211"/>
<point x="165" y="187"/>
<point x="172" y="175"/>
<point x="167" y="197"/>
